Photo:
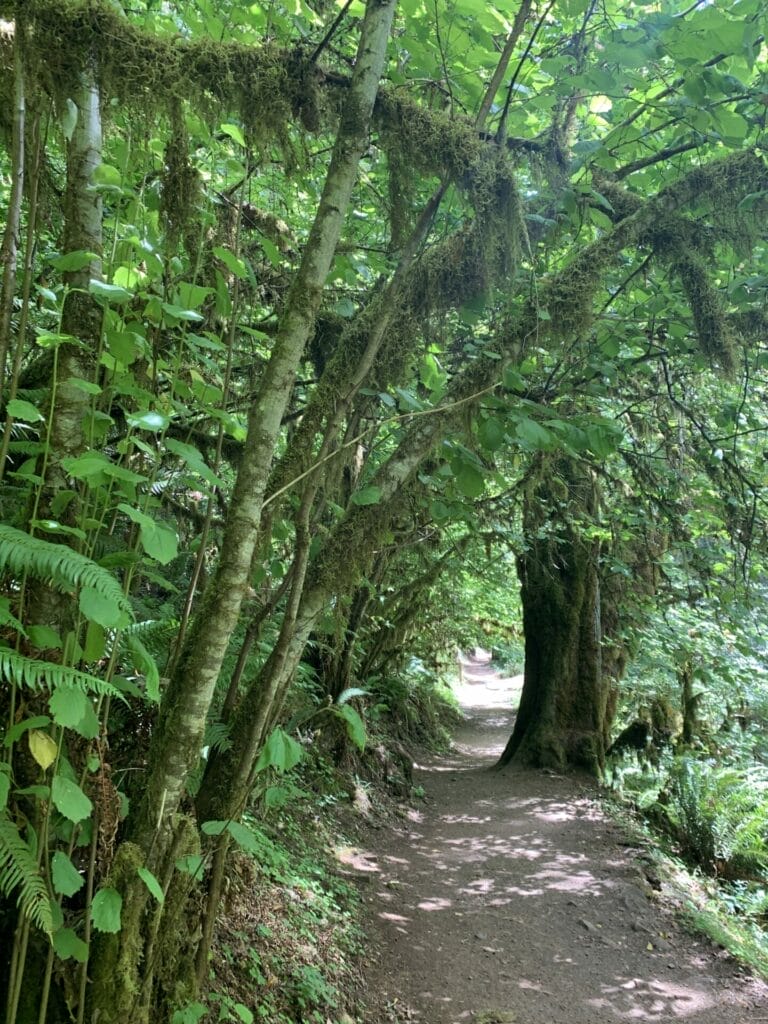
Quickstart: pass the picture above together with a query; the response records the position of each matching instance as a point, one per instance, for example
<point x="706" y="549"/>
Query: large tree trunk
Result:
<point x="562" y="719"/>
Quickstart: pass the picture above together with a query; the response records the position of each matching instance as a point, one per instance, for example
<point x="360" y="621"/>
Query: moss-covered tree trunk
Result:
<point x="561" y="722"/>
<point x="177" y="742"/>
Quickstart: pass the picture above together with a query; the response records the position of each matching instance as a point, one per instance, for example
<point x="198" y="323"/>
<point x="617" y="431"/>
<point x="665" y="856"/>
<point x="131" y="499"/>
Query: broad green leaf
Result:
<point x="44" y="638"/>
<point x="179" y="313"/>
<point x="66" y="879"/>
<point x="160" y="542"/>
<point x="70" y="800"/>
<point x="112" y="294"/>
<point x="367" y="496"/>
<point x="68" y="946"/>
<point x="106" y="908"/>
<point x="242" y="1011"/>
<point x="73" y="709"/>
<point x="491" y="433"/>
<point x="191" y="1014"/>
<point x="150" y="419"/>
<point x="106" y="174"/>
<point x="24" y="411"/>
<point x="42" y="748"/>
<point x="73" y="261"/>
<point x="280" y="752"/>
<point x="234" y="132"/>
<point x="152" y="884"/>
<point x="533" y="434"/>
<point x="87" y="466"/>
<point x="191" y="864"/>
<point x="5" y="788"/>
<point x="469" y="480"/>
<point x="98" y="608"/>
<point x="233" y="263"/>
<point x="17" y="731"/>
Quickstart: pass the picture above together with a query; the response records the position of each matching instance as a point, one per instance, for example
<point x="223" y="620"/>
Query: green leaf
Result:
<point x="5" y="787"/>
<point x="191" y="864"/>
<point x="158" y="540"/>
<point x="491" y="433"/>
<point x="112" y="294"/>
<point x="367" y="496"/>
<point x="106" y="909"/>
<point x="97" y="608"/>
<point x="106" y="174"/>
<point x="66" y="879"/>
<point x="179" y="313"/>
<point x="354" y="723"/>
<point x="245" y="1015"/>
<point x="72" y="709"/>
<point x="68" y="946"/>
<point x="280" y="752"/>
<point x="230" y="261"/>
<point x="234" y="132"/>
<point x="533" y="434"/>
<point x="24" y="411"/>
<point x="86" y="466"/>
<point x="469" y="480"/>
<point x="150" y="419"/>
<point x="74" y="261"/>
<point x="194" y="460"/>
<point x="43" y="748"/>
<point x="70" y="800"/>
<point x="152" y="884"/>
<point x="18" y="730"/>
<point x="191" y="1014"/>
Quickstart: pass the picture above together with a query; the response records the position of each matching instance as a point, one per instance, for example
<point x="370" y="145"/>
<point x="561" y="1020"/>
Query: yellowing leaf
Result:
<point x="42" y="748"/>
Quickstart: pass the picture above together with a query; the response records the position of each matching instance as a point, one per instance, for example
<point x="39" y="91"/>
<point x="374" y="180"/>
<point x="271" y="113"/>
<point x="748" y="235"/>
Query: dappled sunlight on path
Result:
<point x="510" y="892"/>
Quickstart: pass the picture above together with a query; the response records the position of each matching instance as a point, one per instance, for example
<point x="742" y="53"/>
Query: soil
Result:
<point x="511" y="897"/>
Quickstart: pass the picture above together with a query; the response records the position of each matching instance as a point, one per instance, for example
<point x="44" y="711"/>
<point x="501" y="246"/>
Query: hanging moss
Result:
<point x="715" y="334"/>
<point x="180" y="184"/>
<point x="720" y="186"/>
<point x="427" y="141"/>
<point x="268" y="86"/>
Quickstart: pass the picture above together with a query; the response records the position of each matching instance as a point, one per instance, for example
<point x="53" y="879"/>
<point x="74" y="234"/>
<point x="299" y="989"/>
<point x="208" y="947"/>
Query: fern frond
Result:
<point x="36" y="675"/>
<point x="18" y="870"/>
<point x="57" y="564"/>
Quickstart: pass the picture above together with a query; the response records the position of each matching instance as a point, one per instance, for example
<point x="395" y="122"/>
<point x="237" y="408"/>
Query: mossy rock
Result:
<point x="495" y="1017"/>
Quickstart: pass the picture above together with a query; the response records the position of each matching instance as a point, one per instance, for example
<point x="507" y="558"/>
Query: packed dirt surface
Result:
<point x="510" y="897"/>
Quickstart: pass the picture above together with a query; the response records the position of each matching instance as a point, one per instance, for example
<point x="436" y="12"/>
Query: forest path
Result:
<point x="510" y="897"/>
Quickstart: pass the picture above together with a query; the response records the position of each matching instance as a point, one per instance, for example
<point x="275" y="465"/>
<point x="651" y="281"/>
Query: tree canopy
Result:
<point x="310" y="314"/>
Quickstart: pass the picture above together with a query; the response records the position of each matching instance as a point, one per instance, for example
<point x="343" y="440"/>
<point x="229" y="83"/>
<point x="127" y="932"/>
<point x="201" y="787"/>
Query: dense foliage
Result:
<point x="330" y="336"/>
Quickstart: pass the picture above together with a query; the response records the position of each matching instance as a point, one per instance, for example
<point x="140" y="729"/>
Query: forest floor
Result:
<point x="512" y="897"/>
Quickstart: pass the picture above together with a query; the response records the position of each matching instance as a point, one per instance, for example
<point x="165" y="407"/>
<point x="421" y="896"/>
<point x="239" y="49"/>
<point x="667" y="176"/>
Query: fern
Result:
<point x="57" y="564"/>
<point x="37" y="674"/>
<point x="18" y="870"/>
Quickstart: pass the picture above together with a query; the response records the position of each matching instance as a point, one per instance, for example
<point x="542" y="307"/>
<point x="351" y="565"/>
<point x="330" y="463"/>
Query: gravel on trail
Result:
<point x="510" y="898"/>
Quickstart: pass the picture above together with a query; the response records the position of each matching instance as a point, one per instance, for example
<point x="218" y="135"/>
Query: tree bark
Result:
<point x="561" y="722"/>
<point x="10" y="248"/>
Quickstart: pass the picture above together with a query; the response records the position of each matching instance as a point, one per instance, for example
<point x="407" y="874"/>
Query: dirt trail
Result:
<point x="510" y="897"/>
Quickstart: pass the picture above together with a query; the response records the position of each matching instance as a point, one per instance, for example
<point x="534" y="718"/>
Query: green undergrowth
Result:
<point x="288" y="944"/>
<point x="705" y="827"/>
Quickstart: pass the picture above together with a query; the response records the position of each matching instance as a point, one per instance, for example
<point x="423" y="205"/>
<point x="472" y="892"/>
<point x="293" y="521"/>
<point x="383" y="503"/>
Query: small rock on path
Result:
<point x="509" y="897"/>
